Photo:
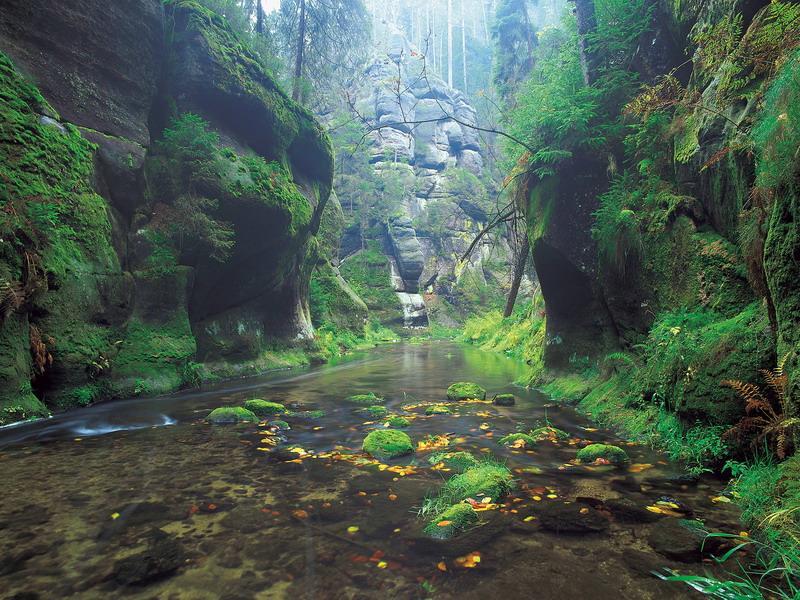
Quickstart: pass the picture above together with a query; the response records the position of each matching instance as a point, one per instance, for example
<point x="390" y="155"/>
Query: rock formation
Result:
<point x="108" y="305"/>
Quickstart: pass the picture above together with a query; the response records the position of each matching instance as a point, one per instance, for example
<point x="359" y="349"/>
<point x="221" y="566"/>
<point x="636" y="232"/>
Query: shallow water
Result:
<point x="143" y="499"/>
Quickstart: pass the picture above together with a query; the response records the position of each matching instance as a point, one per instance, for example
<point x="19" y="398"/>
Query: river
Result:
<point x="144" y="499"/>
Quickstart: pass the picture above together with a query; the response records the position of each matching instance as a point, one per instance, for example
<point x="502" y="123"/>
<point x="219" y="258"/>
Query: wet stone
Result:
<point x="571" y="518"/>
<point x="627" y="511"/>
<point x="245" y="519"/>
<point x="674" y="539"/>
<point x="161" y="559"/>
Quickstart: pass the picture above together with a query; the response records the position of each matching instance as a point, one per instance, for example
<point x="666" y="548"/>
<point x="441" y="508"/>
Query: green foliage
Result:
<point x="367" y="272"/>
<point x="520" y="336"/>
<point x="776" y="136"/>
<point x="486" y="479"/>
<point x="514" y="41"/>
<point x="616" y="229"/>
<point x="48" y="205"/>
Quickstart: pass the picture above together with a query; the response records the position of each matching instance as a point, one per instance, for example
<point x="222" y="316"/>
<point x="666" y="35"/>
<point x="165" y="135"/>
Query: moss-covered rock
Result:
<point x="387" y="443"/>
<point x="604" y="452"/>
<point x="549" y="433"/>
<point x="375" y="412"/>
<point x="455" y="461"/>
<point x="484" y="480"/>
<point x="504" y="400"/>
<point x="282" y="425"/>
<point x="518" y="440"/>
<point x="369" y="399"/>
<point x="452" y="521"/>
<point x="231" y="414"/>
<point x="306" y="414"/>
<point x="264" y="408"/>
<point x="464" y="390"/>
<point x="438" y="409"/>
<point x="398" y="422"/>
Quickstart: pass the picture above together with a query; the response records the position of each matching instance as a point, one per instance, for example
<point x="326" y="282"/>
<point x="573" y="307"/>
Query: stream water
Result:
<point x="143" y="499"/>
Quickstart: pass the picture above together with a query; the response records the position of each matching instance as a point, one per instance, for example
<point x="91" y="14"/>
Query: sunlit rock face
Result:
<point x="420" y="136"/>
<point x="126" y="319"/>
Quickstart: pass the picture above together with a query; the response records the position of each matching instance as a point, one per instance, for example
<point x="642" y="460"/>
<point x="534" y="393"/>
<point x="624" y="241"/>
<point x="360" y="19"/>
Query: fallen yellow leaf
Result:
<point x="352" y="529"/>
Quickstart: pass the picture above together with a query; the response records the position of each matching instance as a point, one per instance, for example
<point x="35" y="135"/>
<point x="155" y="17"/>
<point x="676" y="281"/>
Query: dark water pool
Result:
<point x="143" y="499"/>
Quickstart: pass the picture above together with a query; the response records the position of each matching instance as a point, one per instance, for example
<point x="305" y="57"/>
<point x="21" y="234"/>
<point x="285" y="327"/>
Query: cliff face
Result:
<point x="699" y="261"/>
<point x="100" y="298"/>
<point x="436" y="197"/>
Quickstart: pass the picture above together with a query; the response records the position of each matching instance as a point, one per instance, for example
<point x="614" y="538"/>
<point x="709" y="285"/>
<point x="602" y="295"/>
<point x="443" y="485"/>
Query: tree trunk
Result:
<point x="298" y="59"/>
<point x="450" y="43"/>
<point x="434" y="54"/>
<point x="587" y="24"/>
<point x="485" y="22"/>
<point x="519" y="271"/>
<point x="464" y="45"/>
<point x="259" y="18"/>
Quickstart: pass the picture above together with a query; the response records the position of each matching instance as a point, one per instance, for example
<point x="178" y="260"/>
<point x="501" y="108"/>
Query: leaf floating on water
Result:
<point x="528" y="519"/>
<point x="352" y="529"/>
<point x="382" y="564"/>
<point x="639" y="467"/>
<point x="392" y="497"/>
<point x="115" y="516"/>
<point x="442" y="566"/>
<point x="720" y="499"/>
<point x="470" y="561"/>
<point x="299" y="514"/>
<point x="485" y="426"/>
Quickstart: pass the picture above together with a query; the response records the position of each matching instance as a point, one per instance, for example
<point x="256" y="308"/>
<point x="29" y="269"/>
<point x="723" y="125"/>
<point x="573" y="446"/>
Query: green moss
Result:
<point x="571" y="387"/>
<point x="334" y="304"/>
<point x="455" y="461"/>
<point x="463" y="390"/>
<point x="375" y="412"/>
<point x="484" y="480"/>
<point x="387" y="443"/>
<point x="282" y="425"/>
<point x="504" y="400"/>
<point x="517" y="439"/>
<point x="21" y="406"/>
<point x="398" y="422"/>
<point x="604" y="452"/>
<point x="306" y="414"/>
<point x="452" y="521"/>
<point x="231" y="414"/>
<point x="369" y="399"/>
<point x="264" y="408"/>
<point x="549" y="432"/>
<point x="438" y="409"/>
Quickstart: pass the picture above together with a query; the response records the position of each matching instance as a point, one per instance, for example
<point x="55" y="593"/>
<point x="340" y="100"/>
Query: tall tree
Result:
<point x="259" y="17"/>
<point x="464" y="47"/>
<point x="322" y="38"/>
<point x="450" y="43"/>
<point x="515" y="41"/>
<point x="587" y="24"/>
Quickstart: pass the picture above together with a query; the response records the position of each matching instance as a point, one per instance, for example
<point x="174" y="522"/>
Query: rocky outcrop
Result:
<point x="98" y="300"/>
<point x="422" y="144"/>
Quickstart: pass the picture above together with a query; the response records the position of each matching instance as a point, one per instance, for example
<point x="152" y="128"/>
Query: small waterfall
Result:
<point x="415" y="315"/>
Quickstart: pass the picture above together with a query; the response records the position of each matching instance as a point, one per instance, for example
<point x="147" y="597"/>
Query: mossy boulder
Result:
<point x="464" y="390"/>
<point x="452" y="521"/>
<point x="517" y="440"/>
<point x="369" y="399"/>
<point x="604" y="452"/>
<point x="484" y="480"/>
<point x="398" y="422"/>
<point x="504" y="400"/>
<point x="438" y="409"/>
<point x="375" y="412"/>
<point x="549" y="433"/>
<point x="282" y="425"/>
<point x="264" y="408"/>
<point x="231" y="414"/>
<point x="456" y="461"/>
<point x="388" y="443"/>
<point x="306" y="414"/>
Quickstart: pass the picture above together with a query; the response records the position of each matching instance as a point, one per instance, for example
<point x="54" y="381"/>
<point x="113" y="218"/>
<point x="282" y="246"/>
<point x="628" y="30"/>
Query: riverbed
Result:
<point x="144" y="499"/>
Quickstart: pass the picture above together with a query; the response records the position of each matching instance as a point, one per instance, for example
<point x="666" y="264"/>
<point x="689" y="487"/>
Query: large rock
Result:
<point x="407" y="252"/>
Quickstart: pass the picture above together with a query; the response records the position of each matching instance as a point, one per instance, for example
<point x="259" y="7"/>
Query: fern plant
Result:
<point x="767" y="415"/>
